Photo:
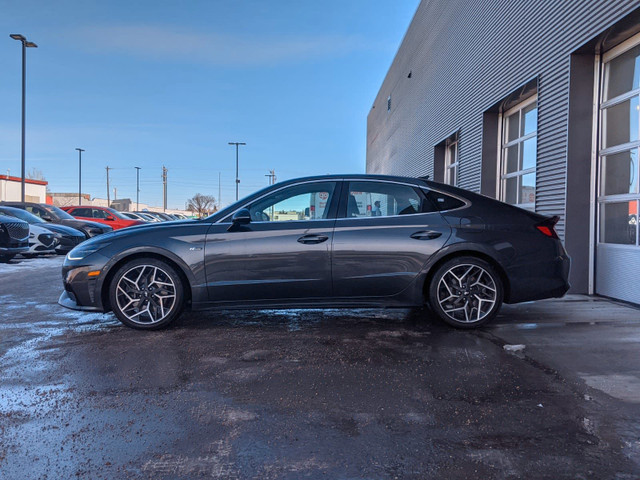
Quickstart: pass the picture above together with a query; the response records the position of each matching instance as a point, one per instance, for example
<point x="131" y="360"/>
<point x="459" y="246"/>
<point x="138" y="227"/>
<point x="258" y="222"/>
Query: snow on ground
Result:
<point x="19" y="264"/>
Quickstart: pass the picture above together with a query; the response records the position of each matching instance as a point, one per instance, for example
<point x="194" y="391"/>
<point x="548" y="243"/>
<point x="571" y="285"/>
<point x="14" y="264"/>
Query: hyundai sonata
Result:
<point x="330" y="241"/>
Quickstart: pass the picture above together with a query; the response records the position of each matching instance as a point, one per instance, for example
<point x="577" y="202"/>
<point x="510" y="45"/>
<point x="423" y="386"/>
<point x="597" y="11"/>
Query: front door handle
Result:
<point x="426" y="235"/>
<point x="312" y="239"/>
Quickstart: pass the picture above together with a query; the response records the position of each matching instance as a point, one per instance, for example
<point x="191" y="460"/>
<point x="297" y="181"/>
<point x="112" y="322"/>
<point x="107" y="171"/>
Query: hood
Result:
<point x="77" y="223"/>
<point x="62" y="229"/>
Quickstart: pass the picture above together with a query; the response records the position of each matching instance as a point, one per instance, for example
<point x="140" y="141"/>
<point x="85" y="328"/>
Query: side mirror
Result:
<point x="241" y="217"/>
<point x="46" y="218"/>
<point x="110" y="218"/>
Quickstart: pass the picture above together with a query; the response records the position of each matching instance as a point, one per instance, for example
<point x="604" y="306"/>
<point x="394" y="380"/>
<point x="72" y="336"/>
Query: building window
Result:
<point x="618" y="190"/>
<point x="451" y="161"/>
<point x="518" y="154"/>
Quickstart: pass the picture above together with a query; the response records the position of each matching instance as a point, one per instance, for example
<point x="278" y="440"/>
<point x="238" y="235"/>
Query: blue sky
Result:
<point x="152" y="83"/>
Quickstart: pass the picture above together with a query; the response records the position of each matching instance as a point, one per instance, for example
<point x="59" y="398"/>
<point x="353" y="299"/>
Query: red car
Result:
<point x="105" y="215"/>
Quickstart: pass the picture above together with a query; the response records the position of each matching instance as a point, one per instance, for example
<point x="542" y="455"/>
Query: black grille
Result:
<point x="46" y="239"/>
<point x="17" y="230"/>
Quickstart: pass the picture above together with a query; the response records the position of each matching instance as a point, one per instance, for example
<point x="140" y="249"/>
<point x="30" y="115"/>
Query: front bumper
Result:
<point x="83" y="292"/>
<point x="13" y="250"/>
<point x="67" y="300"/>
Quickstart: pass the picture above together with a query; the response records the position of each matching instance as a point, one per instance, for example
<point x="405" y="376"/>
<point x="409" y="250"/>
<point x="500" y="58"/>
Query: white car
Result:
<point x="41" y="241"/>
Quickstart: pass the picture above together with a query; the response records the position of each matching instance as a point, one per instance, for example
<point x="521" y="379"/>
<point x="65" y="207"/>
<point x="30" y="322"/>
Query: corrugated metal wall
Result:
<point x="464" y="57"/>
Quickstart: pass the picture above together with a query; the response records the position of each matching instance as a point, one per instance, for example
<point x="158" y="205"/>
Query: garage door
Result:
<point x="618" y="249"/>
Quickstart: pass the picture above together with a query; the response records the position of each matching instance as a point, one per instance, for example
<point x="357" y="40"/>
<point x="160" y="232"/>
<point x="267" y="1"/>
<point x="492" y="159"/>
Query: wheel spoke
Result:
<point x="146" y="294"/>
<point x="467" y="293"/>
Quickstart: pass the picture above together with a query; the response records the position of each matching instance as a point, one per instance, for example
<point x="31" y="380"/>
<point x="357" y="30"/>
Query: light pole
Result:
<point x="137" y="187"/>
<point x="25" y="44"/>
<point x="80" y="150"/>
<point x="237" y="144"/>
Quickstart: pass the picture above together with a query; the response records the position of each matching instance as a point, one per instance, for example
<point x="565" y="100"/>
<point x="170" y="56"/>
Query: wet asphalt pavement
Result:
<point x="339" y="394"/>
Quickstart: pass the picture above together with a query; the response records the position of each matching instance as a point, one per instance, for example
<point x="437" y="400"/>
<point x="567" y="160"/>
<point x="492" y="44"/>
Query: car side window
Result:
<point x="81" y="212"/>
<point x="444" y="202"/>
<point x="34" y="211"/>
<point x="383" y="199"/>
<point x="97" y="213"/>
<point x="309" y="201"/>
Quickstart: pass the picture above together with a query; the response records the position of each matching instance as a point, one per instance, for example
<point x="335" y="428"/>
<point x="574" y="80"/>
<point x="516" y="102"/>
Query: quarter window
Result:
<point x="518" y="154"/>
<point x="380" y="199"/>
<point x="309" y="201"/>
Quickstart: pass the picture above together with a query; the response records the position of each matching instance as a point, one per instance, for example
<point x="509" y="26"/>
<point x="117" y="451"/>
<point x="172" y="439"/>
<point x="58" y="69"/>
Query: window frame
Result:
<point x="451" y="166"/>
<point x="601" y="200"/>
<point x="342" y="211"/>
<point x="332" y="207"/>
<point x="504" y="144"/>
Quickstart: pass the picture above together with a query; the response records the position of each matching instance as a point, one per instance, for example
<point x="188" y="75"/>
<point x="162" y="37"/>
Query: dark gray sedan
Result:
<point x="331" y="241"/>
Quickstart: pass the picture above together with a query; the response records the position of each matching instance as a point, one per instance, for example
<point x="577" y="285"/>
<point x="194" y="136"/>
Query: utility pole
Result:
<point x="137" y="187"/>
<point x="25" y="44"/>
<point x="237" y="144"/>
<point x="108" y="193"/>
<point x="164" y="187"/>
<point x="115" y="193"/>
<point x="80" y="150"/>
<point x="219" y="192"/>
<point x="272" y="177"/>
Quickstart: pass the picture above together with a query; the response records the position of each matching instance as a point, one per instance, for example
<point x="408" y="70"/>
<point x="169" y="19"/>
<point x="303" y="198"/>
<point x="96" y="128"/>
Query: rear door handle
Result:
<point x="426" y="235"/>
<point x="312" y="239"/>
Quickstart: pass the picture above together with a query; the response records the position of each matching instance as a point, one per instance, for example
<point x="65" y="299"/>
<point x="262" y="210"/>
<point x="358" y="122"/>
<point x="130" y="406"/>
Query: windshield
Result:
<point x="21" y="214"/>
<point x="61" y="214"/>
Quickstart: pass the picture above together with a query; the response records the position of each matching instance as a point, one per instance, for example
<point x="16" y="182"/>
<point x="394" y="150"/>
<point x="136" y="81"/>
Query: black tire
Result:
<point x="467" y="301"/>
<point x="6" y="258"/>
<point x="129" y="301"/>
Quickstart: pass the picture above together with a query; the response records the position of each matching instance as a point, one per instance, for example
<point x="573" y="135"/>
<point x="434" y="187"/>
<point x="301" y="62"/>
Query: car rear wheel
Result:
<point x="146" y="294"/>
<point x="466" y="292"/>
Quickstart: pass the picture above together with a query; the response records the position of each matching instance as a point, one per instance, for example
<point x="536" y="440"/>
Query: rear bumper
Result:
<point x="535" y="281"/>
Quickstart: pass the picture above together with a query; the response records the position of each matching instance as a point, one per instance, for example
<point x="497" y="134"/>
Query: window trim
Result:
<point x="449" y="166"/>
<point x="599" y="152"/>
<point x="504" y="145"/>
<point x="333" y="207"/>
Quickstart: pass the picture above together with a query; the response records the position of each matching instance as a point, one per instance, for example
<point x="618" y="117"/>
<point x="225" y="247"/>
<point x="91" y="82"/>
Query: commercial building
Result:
<point x="536" y="103"/>
<point x="11" y="189"/>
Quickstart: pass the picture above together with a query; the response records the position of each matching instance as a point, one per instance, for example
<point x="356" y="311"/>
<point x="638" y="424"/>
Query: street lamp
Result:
<point x="80" y="150"/>
<point x="25" y="44"/>
<point x="237" y="144"/>
<point x="137" y="187"/>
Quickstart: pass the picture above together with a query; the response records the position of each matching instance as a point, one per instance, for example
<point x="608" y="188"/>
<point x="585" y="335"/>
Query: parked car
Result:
<point x="148" y="217"/>
<point x="318" y="242"/>
<point x="14" y="237"/>
<point x="67" y="237"/>
<point x="55" y="215"/>
<point x="163" y="217"/>
<point x="105" y="215"/>
<point x="135" y="216"/>
<point x="41" y="241"/>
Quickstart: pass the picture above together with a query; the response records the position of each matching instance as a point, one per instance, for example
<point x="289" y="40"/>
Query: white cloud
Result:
<point x="174" y="44"/>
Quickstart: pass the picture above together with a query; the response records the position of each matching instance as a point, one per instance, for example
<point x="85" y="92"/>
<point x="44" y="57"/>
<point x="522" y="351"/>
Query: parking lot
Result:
<point x="549" y="390"/>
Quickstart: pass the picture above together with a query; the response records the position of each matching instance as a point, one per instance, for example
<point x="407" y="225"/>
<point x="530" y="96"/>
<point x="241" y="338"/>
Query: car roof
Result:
<point x="357" y="176"/>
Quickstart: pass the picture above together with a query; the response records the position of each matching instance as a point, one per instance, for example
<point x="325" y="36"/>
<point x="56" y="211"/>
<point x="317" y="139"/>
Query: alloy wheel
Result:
<point x="145" y="294"/>
<point x="467" y="293"/>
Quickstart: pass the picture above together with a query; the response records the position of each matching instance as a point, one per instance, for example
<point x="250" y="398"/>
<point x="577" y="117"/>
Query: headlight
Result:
<point x="83" y="251"/>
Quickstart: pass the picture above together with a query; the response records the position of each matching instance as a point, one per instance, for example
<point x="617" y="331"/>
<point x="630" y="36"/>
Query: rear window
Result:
<point x="444" y="202"/>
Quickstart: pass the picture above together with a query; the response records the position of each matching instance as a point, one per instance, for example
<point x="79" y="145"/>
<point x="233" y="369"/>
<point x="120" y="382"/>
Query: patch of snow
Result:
<point x="514" y="348"/>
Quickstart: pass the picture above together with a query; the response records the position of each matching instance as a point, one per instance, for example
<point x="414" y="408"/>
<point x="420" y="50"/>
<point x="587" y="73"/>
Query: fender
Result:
<point x="108" y="267"/>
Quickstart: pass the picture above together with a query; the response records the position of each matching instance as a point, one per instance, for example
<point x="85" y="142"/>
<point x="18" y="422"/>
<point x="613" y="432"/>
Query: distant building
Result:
<point x="11" y="189"/>
<point x="535" y="103"/>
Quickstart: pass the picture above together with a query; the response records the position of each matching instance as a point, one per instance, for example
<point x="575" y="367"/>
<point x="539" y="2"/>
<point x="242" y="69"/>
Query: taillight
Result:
<point x="547" y="227"/>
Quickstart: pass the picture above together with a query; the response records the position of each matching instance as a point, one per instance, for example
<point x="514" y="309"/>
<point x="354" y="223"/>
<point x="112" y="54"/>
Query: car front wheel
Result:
<point x="146" y="294"/>
<point x="466" y="292"/>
